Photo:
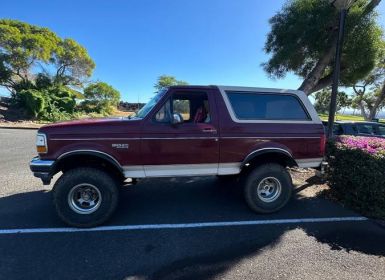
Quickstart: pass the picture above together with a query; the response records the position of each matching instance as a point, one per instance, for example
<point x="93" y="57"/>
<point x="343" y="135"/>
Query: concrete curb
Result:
<point x="19" y="127"/>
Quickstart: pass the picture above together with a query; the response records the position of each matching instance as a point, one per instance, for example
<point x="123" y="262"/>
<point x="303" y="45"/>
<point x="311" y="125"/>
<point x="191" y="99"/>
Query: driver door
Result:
<point x="187" y="148"/>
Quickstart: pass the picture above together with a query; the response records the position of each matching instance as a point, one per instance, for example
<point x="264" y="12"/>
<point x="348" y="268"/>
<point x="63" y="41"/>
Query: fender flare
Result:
<point x="94" y="153"/>
<point x="256" y="153"/>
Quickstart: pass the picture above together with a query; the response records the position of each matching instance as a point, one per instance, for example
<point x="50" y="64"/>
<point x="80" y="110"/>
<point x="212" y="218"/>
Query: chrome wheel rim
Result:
<point x="269" y="189"/>
<point x="84" y="198"/>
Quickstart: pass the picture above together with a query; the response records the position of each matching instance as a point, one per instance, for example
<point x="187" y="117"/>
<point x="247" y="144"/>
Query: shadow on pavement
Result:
<point x="170" y="254"/>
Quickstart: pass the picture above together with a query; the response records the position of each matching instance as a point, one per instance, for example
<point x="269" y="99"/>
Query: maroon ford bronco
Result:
<point x="251" y="133"/>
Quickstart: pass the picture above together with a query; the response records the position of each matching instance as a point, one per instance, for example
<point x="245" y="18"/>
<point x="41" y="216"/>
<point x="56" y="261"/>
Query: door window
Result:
<point x="193" y="107"/>
<point x="164" y="113"/>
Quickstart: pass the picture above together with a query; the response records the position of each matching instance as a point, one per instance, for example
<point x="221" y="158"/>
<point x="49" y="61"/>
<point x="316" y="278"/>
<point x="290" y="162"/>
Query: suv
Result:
<point x="253" y="133"/>
<point x="367" y="129"/>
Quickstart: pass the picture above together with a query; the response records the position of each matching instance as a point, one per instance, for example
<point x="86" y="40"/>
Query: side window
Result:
<point x="337" y="129"/>
<point x="381" y="130"/>
<point x="164" y="113"/>
<point x="193" y="107"/>
<point x="182" y="107"/>
<point x="365" y="129"/>
<point x="260" y="106"/>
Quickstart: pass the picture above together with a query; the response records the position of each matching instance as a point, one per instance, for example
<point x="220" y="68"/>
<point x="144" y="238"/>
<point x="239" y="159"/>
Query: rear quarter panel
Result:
<point x="237" y="140"/>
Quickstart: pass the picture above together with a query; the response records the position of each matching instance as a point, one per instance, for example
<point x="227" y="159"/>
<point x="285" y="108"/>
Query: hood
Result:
<point x="84" y="122"/>
<point x="91" y="126"/>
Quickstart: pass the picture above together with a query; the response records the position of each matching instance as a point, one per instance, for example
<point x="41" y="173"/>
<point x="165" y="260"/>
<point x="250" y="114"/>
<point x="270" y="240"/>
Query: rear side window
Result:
<point x="381" y="130"/>
<point x="337" y="129"/>
<point x="260" y="106"/>
<point x="365" y="129"/>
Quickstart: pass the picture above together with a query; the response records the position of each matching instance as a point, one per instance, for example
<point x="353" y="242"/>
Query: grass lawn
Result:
<point x="324" y="117"/>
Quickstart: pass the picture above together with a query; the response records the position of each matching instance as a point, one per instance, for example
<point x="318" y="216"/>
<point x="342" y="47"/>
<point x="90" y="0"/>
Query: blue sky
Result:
<point x="134" y="41"/>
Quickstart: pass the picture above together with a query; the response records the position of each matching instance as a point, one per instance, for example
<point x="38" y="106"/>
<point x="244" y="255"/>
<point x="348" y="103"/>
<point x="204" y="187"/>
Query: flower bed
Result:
<point x="357" y="173"/>
<point x="371" y="145"/>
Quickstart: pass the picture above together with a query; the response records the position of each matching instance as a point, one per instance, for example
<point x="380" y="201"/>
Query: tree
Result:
<point x="100" y="97"/>
<point x="165" y="81"/>
<point x="72" y="62"/>
<point x="370" y="92"/>
<point x="303" y="39"/>
<point x="322" y="101"/>
<point x="28" y="50"/>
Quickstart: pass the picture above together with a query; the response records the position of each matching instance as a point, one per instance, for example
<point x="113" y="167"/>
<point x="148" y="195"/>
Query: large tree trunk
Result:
<point x="363" y="112"/>
<point x="380" y="99"/>
<point x="310" y="83"/>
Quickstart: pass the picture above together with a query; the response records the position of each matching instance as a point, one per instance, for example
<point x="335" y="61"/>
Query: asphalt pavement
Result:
<point x="185" y="228"/>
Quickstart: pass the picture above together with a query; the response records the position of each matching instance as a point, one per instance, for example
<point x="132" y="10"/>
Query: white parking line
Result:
<point x="181" y="226"/>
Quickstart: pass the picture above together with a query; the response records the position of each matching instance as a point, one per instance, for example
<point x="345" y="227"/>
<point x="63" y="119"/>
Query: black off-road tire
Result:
<point x="270" y="173"/>
<point x="102" y="181"/>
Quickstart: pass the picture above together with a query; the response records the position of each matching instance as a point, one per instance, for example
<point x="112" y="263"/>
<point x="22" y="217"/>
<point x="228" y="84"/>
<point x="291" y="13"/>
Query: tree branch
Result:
<point x="312" y="82"/>
<point x="371" y="6"/>
<point x="322" y="83"/>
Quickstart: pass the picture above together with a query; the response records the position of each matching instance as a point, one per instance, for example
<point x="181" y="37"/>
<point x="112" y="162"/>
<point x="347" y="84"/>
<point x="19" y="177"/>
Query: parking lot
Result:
<point x="185" y="228"/>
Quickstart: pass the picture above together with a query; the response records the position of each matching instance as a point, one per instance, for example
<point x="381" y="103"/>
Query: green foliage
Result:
<point x="357" y="179"/>
<point x="48" y="103"/>
<point x="62" y="98"/>
<point x="34" y="101"/>
<point x="100" y="97"/>
<point x="304" y="29"/>
<point x="24" y="46"/>
<point x="54" y="113"/>
<point x="165" y="81"/>
<point x="322" y="101"/>
<point x="73" y="63"/>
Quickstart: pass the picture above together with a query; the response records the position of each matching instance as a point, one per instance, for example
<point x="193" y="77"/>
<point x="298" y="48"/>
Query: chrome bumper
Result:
<point x="42" y="169"/>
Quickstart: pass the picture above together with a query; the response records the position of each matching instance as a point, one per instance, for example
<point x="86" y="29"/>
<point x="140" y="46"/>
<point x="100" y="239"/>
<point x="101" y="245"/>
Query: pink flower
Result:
<point x="370" y="145"/>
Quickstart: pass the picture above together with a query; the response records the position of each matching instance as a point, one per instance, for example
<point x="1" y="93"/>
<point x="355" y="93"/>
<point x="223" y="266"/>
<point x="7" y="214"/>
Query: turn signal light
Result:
<point x="41" y="143"/>
<point x="41" y="149"/>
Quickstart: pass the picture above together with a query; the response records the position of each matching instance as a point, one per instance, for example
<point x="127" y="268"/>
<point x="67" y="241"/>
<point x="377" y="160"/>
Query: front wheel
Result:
<point x="268" y="188"/>
<point x="85" y="197"/>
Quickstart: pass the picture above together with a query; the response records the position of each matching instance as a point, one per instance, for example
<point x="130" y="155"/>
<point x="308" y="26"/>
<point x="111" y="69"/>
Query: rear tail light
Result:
<point x="322" y="144"/>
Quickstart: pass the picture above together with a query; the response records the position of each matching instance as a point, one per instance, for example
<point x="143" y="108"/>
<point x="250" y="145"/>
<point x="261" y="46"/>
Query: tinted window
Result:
<point x="259" y="106"/>
<point x="381" y="130"/>
<point x="365" y="129"/>
<point x="337" y="129"/>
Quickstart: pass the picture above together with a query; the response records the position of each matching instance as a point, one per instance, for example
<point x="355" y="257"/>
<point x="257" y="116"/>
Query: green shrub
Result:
<point x="33" y="101"/>
<point x="53" y="113"/>
<point x="100" y="98"/>
<point x="357" y="173"/>
<point x="63" y="98"/>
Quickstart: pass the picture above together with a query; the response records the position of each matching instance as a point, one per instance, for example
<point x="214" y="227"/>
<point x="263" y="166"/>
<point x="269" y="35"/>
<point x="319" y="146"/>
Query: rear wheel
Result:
<point x="268" y="188"/>
<point x="85" y="197"/>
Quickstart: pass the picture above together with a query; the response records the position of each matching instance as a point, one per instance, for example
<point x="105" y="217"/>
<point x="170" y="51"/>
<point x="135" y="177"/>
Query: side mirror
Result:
<point x="176" y="119"/>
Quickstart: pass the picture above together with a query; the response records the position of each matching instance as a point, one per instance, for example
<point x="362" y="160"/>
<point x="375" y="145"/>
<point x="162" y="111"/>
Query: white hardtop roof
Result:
<point x="260" y="89"/>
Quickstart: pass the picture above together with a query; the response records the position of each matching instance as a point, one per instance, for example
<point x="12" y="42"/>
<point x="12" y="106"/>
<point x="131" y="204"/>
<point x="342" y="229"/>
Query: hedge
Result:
<point x="357" y="173"/>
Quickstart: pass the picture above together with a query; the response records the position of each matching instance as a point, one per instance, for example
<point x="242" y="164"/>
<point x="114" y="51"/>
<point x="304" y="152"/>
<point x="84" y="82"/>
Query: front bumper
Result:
<point x="43" y="169"/>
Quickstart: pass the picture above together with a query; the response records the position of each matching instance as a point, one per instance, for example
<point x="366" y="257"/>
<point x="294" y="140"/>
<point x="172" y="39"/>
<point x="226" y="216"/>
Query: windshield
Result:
<point x="151" y="104"/>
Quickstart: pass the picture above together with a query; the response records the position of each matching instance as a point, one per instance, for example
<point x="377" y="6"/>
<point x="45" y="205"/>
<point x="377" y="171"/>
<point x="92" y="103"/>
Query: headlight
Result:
<point x="41" y="143"/>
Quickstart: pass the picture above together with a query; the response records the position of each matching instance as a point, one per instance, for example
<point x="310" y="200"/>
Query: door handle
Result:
<point x="209" y="130"/>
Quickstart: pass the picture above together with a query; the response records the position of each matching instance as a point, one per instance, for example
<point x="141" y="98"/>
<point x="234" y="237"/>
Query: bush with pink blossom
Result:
<point x="357" y="173"/>
<point x="372" y="145"/>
